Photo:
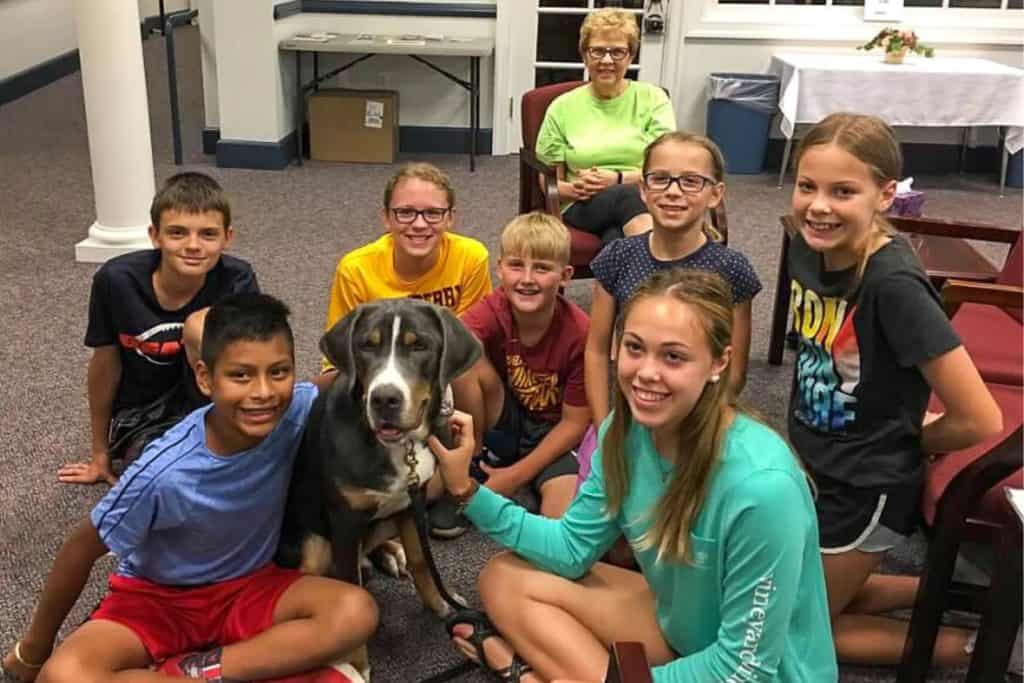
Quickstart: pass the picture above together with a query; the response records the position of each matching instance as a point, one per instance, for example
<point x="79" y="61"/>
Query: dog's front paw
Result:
<point x="442" y="609"/>
<point x="390" y="558"/>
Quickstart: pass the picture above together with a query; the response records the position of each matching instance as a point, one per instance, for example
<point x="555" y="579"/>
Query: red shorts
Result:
<point x="172" y="620"/>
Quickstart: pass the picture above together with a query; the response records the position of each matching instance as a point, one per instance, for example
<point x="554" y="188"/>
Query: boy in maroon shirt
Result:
<point x="526" y="392"/>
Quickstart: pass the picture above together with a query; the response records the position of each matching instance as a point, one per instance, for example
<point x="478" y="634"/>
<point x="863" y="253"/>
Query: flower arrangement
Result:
<point x="896" y="44"/>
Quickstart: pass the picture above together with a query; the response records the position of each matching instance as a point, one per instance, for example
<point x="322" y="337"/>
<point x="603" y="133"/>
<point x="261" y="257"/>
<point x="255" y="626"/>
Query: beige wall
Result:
<point x="34" y="31"/>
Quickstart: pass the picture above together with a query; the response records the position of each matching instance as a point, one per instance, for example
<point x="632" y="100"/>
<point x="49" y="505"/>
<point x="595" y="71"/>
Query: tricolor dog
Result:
<point x="364" y="443"/>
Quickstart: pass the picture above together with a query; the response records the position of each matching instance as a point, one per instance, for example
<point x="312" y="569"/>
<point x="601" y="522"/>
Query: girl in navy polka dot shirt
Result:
<point x="682" y="180"/>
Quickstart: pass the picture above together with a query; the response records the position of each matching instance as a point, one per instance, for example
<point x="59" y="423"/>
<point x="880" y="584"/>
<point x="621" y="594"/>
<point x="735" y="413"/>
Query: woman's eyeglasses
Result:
<point x="407" y="215"/>
<point x="616" y="53"/>
<point x="691" y="183"/>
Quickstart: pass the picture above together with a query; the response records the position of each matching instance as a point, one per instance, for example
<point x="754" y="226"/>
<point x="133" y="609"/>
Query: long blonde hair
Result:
<point x="871" y="141"/>
<point x="702" y="432"/>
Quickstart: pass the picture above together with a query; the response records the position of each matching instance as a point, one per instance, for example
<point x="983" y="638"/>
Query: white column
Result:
<point x="117" y="118"/>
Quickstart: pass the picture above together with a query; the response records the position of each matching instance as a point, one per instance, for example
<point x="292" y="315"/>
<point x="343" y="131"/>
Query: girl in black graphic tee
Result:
<point x="874" y="343"/>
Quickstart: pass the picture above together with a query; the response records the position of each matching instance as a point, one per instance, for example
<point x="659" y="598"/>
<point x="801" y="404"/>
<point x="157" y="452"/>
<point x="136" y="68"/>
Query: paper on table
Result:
<point x="1016" y="497"/>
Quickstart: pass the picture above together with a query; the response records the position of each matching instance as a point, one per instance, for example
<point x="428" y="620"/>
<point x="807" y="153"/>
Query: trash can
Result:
<point x="740" y="112"/>
<point x="1015" y="170"/>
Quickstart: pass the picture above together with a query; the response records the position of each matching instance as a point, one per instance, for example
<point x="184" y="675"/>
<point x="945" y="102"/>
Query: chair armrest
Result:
<point x="948" y="228"/>
<point x="548" y="178"/>
<point x="628" y="663"/>
<point x="958" y="292"/>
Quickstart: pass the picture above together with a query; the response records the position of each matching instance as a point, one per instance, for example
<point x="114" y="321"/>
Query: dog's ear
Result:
<point x="336" y="345"/>
<point x="460" y="348"/>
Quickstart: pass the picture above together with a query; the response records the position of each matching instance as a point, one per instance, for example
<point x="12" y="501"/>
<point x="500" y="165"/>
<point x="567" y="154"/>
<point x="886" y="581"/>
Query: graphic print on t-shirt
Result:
<point x="446" y="297"/>
<point x="160" y="344"/>
<point x="828" y="362"/>
<point x="537" y="391"/>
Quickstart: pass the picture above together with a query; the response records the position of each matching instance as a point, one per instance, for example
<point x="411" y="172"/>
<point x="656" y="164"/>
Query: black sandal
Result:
<point x="482" y="630"/>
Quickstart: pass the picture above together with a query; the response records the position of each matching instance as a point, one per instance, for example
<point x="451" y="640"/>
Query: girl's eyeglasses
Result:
<point x="406" y="215"/>
<point x="690" y="183"/>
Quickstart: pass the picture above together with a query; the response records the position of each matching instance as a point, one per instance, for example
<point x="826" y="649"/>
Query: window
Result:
<point x="957" y="4"/>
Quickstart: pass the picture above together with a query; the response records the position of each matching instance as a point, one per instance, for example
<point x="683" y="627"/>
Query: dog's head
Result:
<point x="395" y="357"/>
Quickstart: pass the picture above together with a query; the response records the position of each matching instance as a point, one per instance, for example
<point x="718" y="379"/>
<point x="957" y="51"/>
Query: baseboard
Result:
<point x="277" y="155"/>
<point x="383" y="7"/>
<point x="210" y="138"/>
<point x="919" y="158"/>
<point x="441" y="140"/>
<point x="35" y="77"/>
<point x="269" y="156"/>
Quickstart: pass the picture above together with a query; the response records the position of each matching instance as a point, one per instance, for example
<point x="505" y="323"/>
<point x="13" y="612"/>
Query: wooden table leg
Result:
<point x="780" y="312"/>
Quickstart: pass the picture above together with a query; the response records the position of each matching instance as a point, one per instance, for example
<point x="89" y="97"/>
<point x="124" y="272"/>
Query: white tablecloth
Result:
<point x="941" y="91"/>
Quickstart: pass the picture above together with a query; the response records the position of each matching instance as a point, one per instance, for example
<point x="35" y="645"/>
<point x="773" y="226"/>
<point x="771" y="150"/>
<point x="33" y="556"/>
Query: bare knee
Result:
<point x="68" y="667"/>
<point x="500" y="581"/>
<point x="638" y="225"/>
<point x="192" y="335"/>
<point x="354" y="617"/>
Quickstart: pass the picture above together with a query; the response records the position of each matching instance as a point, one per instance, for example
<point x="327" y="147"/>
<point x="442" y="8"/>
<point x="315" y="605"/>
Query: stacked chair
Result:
<point x="964" y="498"/>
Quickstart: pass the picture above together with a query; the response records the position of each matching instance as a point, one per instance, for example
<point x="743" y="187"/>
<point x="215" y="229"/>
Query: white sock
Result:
<point x="1016" y="664"/>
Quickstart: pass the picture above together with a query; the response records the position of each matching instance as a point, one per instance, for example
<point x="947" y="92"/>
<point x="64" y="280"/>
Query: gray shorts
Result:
<point x="515" y="434"/>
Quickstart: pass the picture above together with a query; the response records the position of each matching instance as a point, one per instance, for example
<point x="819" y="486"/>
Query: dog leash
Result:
<point x="419" y="515"/>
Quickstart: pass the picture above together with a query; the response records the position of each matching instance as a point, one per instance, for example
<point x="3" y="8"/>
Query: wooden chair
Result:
<point x="940" y="244"/>
<point x="628" y="664"/>
<point x="538" y="182"/>
<point x="964" y="497"/>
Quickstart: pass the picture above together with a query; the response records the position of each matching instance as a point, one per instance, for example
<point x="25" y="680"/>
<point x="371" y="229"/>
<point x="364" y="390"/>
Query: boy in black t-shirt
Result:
<point x="146" y="313"/>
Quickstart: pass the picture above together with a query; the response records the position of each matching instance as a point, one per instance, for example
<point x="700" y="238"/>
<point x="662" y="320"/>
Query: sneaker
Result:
<point x="1016" y="665"/>
<point x="445" y="521"/>
<point x="204" y="666"/>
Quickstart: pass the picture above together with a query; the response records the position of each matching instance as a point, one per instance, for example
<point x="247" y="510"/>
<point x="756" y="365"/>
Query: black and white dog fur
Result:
<point x="366" y="435"/>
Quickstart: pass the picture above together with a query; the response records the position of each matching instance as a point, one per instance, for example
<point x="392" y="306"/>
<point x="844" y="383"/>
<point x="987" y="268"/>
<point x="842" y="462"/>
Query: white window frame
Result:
<point x="840" y="23"/>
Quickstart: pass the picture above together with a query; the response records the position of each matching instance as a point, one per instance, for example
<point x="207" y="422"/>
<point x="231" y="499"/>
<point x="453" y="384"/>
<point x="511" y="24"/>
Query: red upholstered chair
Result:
<point x="533" y="173"/>
<point x="992" y="334"/>
<point x="964" y="497"/>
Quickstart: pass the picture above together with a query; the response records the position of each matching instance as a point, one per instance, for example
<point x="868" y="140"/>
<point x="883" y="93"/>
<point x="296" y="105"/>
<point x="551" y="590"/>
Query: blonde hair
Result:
<point x="610" y="19"/>
<point x="702" y="432"/>
<point x="421" y="171"/>
<point x="708" y="145"/>
<point x="871" y="141"/>
<point x="536" y="235"/>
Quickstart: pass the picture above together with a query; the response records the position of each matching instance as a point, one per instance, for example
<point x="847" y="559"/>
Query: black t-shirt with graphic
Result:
<point x="859" y="397"/>
<point x="123" y="310"/>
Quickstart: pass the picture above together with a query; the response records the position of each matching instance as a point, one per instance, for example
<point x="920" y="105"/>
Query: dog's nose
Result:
<point x="386" y="398"/>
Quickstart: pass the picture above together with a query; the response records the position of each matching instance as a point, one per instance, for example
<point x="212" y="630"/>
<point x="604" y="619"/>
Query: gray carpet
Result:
<point x="292" y="225"/>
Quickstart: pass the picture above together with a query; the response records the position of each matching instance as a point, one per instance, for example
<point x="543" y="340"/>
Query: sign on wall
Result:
<point x="883" y="10"/>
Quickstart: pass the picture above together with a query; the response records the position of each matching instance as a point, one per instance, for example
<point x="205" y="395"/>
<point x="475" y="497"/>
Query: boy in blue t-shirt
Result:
<point x="196" y="522"/>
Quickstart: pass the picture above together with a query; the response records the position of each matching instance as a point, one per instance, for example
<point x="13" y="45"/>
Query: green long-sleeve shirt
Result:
<point x="752" y="607"/>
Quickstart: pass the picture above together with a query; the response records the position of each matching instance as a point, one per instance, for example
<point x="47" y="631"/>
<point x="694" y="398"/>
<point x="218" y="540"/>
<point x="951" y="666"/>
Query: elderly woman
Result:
<point x="595" y="135"/>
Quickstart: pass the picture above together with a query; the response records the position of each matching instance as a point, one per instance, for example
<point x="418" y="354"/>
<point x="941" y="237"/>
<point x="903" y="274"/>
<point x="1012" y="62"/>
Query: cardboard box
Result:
<point x="353" y="125"/>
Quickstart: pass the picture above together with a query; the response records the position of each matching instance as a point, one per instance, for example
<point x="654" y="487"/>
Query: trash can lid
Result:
<point x="763" y="78"/>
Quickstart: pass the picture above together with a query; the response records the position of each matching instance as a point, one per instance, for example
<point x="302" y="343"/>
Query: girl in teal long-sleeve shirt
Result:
<point x="715" y="505"/>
